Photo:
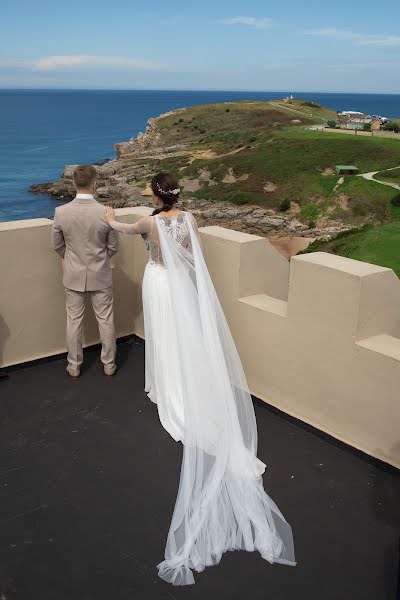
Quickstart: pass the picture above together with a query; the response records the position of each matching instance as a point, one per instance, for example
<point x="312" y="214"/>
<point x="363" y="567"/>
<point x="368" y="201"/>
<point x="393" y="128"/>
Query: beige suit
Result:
<point x="83" y="238"/>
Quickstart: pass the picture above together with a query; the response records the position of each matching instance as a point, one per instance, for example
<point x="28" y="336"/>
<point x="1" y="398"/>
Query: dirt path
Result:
<point x="210" y="154"/>
<point x="371" y="177"/>
<point x="296" y="110"/>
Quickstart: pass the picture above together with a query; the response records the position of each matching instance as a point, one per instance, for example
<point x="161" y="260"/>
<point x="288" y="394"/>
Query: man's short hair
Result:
<point x="84" y="176"/>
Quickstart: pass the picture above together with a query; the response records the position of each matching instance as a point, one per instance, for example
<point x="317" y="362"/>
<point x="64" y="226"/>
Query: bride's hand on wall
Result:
<point x="110" y="214"/>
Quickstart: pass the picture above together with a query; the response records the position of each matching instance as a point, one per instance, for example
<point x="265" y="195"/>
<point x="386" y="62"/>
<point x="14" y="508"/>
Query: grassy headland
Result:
<point x="270" y="162"/>
<point x="258" y="153"/>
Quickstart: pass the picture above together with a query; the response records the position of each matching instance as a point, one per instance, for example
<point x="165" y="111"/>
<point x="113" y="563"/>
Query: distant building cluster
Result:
<point x="351" y="119"/>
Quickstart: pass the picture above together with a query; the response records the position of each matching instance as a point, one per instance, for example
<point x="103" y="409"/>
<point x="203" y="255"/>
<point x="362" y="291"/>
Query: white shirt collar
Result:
<point x="85" y="196"/>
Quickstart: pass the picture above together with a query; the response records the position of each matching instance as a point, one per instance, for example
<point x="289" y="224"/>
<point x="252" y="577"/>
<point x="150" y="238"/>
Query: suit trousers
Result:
<point x="102" y="302"/>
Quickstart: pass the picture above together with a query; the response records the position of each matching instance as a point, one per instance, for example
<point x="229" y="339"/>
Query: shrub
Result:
<point x="312" y="225"/>
<point x="227" y="110"/>
<point x="309" y="212"/>
<point x="284" y="205"/>
<point x="312" y="104"/>
<point x="392" y="126"/>
<point x="367" y="127"/>
<point x="180" y="120"/>
<point x="396" y="200"/>
<point x="331" y="124"/>
<point x="239" y="198"/>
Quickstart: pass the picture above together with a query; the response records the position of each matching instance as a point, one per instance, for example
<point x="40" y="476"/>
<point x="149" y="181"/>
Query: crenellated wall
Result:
<point x="320" y="341"/>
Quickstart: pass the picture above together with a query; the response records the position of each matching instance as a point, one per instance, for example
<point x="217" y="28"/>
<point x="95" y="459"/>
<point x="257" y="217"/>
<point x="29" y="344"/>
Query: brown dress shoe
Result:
<point x="74" y="373"/>
<point x="110" y="371"/>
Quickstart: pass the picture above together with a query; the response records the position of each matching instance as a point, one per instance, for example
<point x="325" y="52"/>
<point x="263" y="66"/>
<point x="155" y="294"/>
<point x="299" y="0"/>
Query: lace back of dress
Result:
<point x="176" y="228"/>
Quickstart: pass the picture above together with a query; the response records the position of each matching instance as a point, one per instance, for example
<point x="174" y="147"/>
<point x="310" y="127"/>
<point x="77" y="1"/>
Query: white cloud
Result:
<point x="54" y="63"/>
<point x="332" y="32"/>
<point x="358" y="38"/>
<point x="262" y="23"/>
<point x="386" y="40"/>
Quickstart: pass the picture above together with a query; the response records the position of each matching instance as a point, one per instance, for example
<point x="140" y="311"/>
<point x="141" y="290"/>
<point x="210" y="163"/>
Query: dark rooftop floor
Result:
<point x="88" y="484"/>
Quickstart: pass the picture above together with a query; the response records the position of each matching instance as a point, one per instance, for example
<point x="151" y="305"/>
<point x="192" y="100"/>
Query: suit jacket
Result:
<point x="82" y="236"/>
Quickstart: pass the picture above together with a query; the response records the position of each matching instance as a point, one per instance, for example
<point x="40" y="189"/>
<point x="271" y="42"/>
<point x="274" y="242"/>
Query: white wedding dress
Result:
<point x="194" y="375"/>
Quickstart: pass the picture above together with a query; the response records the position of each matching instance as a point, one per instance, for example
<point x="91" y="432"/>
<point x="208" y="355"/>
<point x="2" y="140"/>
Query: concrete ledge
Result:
<point x="266" y="303"/>
<point x="383" y="344"/>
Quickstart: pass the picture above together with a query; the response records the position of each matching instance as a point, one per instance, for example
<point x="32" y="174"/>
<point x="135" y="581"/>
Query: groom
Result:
<point x="85" y="241"/>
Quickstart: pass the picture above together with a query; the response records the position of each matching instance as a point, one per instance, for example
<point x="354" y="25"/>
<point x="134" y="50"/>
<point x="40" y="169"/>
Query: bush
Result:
<point x="312" y="104"/>
<point x="284" y="205"/>
<point x="395" y="201"/>
<point x="227" y="110"/>
<point x="367" y="127"/>
<point x="392" y="126"/>
<point x="331" y="124"/>
<point x="309" y="212"/>
<point x="180" y="120"/>
<point x="239" y="198"/>
<point x="312" y="224"/>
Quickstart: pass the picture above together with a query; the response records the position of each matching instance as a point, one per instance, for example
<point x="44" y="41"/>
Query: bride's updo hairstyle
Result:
<point x="166" y="187"/>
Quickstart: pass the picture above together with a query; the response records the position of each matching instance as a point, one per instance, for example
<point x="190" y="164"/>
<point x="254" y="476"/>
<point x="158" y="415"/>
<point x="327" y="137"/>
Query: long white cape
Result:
<point x="221" y="503"/>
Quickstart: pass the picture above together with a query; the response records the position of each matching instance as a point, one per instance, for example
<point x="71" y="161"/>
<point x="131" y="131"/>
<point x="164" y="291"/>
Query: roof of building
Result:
<point x="92" y="477"/>
<point x="348" y="167"/>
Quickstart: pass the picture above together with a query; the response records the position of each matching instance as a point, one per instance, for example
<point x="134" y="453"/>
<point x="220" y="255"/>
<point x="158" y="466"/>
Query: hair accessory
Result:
<point x="174" y="192"/>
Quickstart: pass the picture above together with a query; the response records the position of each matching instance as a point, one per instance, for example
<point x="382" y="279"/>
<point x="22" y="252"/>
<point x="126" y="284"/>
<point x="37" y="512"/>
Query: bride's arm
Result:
<point x="142" y="226"/>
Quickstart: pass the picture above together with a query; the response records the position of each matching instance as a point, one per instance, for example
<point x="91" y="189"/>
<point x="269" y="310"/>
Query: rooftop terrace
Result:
<point x="88" y="484"/>
<point x="89" y="477"/>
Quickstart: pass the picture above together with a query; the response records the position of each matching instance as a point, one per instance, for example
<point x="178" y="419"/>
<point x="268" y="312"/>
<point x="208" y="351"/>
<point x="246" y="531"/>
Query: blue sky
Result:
<point x="253" y="45"/>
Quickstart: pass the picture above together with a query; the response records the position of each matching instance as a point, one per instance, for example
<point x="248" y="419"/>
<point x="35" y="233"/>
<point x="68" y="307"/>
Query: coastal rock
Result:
<point x="270" y="187"/>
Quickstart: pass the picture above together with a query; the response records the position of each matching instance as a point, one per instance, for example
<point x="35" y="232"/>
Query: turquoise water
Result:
<point x="41" y="131"/>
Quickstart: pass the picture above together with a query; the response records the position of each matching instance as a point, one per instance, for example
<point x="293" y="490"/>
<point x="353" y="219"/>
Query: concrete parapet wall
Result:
<point x="320" y="341"/>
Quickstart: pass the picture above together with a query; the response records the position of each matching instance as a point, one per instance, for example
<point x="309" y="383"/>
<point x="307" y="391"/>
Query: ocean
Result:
<point x="42" y="130"/>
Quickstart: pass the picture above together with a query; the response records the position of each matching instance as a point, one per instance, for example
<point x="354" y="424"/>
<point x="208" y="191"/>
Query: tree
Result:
<point x="332" y="124"/>
<point x="392" y="126"/>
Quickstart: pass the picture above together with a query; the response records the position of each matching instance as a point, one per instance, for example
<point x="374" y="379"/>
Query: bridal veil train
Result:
<point x="194" y="374"/>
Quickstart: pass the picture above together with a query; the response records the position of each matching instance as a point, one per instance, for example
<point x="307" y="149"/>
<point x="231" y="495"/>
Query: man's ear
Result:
<point x="74" y="184"/>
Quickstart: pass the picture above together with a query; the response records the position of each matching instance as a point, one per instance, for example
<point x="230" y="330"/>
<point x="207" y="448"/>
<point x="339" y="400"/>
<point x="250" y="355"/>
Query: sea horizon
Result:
<point x="101" y="89"/>
<point x="41" y="135"/>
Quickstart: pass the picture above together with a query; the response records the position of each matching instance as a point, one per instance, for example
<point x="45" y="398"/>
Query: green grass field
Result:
<point x="295" y="160"/>
<point x="271" y="148"/>
<point x="378" y="245"/>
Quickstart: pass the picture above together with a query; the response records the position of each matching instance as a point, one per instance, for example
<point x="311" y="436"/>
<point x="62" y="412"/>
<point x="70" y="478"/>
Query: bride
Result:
<point x="194" y="375"/>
